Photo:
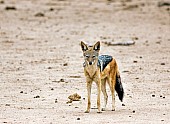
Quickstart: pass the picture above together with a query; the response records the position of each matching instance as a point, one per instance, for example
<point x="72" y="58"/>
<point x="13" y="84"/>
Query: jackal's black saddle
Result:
<point x="103" y="61"/>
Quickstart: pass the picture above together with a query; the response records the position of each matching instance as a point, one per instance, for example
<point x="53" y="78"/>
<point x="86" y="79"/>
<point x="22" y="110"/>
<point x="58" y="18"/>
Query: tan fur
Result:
<point x="92" y="73"/>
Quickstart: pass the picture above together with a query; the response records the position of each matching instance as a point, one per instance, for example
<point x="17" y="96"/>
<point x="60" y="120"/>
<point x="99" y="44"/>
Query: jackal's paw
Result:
<point x="99" y="112"/>
<point x="87" y="111"/>
<point x="103" y="109"/>
<point x="113" y="109"/>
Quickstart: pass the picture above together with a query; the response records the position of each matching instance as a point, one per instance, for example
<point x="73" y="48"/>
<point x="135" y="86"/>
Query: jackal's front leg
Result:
<point x="98" y="95"/>
<point x="89" y="84"/>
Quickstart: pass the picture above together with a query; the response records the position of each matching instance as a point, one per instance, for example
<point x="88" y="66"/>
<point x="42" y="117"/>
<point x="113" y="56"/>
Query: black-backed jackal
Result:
<point x="101" y="69"/>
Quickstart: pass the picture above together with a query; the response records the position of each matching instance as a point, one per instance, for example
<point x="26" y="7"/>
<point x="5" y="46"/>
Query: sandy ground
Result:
<point x="41" y="60"/>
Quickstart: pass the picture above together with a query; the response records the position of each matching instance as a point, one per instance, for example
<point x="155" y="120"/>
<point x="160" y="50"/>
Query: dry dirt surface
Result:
<point x="41" y="60"/>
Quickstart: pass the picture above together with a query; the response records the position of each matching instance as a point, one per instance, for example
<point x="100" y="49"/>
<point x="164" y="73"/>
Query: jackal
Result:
<point x="101" y="69"/>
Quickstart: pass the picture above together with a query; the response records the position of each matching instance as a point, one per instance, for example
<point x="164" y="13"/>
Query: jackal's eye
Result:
<point x="93" y="56"/>
<point x="87" y="56"/>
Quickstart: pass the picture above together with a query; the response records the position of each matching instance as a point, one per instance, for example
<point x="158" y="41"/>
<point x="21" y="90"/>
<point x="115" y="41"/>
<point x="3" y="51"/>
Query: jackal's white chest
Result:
<point x="91" y="70"/>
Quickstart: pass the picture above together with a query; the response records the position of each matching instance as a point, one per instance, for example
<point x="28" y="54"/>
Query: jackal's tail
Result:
<point x="119" y="87"/>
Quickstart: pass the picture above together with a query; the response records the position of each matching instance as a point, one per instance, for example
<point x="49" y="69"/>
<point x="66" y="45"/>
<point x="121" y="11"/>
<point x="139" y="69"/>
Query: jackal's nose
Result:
<point x="90" y="63"/>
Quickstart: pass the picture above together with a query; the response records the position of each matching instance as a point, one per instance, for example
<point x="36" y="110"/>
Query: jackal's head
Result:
<point x="90" y="53"/>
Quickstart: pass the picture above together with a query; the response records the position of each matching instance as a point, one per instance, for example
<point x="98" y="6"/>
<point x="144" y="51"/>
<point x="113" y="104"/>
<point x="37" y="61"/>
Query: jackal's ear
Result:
<point x="83" y="46"/>
<point x="96" y="47"/>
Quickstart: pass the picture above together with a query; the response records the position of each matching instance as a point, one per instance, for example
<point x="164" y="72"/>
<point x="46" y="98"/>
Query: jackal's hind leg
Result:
<point x="113" y="100"/>
<point x="103" y="88"/>
<point x="112" y="89"/>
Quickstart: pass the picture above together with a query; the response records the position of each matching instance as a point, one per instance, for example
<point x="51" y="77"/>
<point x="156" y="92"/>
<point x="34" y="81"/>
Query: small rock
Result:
<point x="123" y="104"/>
<point x="133" y="111"/>
<point x="162" y="63"/>
<point x="21" y="92"/>
<point x="56" y="100"/>
<point x="160" y="4"/>
<point x="125" y="43"/>
<point x="158" y="42"/>
<point x="78" y="118"/>
<point x="163" y="97"/>
<point x="131" y="7"/>
<point x="65" y="64"/>
<point x="51" y="9"/>
<point x="135" y="61"/>
<point x="10" y="8"/>
<point x="61" y="80"/>
<point x="52" y="88"/>
<point x="75" y="76"/>
<point x="135" y="38"/>
<point x="37" y="96"/>
<point x="39" y="14"/>
<point x="7" y="104"/>
<point x="125" y="71"/>
<point x="75" y="97"/>
<point x="49" y="67"/>
<point x="153" y="95"/>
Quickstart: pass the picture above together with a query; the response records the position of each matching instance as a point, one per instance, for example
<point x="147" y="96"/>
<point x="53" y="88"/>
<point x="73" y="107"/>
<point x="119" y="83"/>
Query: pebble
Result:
<point x="49" y="67"/>
<point x="39" y="14"/>
<point x="65" y="64"/>
<point x="162" y="63"/>
<point x="37" y="96"/>
<point x="10" y="8"/>
<point x="153" y="95"/>
<point x="123" y="104"/>
<point x="61" y="80"/>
